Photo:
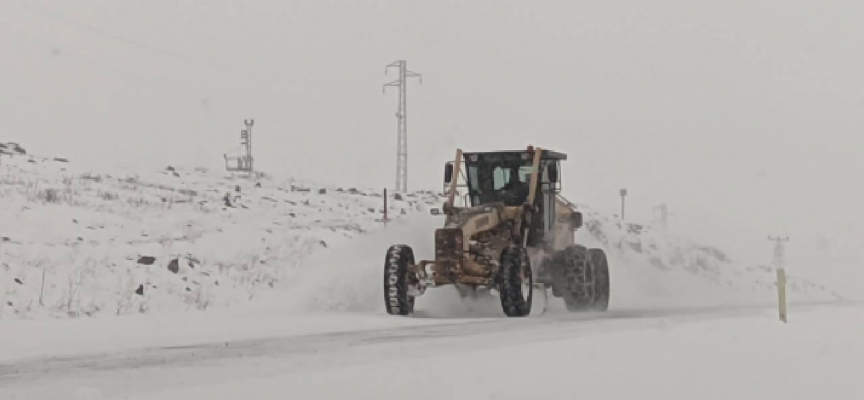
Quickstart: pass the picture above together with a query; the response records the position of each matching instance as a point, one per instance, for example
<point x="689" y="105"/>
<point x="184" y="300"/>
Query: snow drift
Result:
<point x="649" y="268"/>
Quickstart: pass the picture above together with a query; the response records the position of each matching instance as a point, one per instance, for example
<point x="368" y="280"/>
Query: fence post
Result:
<point x="385" y="206"/>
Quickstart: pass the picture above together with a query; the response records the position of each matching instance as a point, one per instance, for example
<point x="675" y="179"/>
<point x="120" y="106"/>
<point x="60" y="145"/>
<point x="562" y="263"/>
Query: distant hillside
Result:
<point x="75" y="243"/>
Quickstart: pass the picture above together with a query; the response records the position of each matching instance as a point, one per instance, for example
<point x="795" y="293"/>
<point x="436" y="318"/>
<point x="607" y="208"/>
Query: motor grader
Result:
<point x="513" y="235"/>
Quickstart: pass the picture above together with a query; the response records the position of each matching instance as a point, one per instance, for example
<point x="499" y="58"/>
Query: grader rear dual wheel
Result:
<point x="581" y="278"/>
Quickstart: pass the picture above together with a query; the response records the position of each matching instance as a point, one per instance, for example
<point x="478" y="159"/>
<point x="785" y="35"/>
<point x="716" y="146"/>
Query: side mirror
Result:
<point x="576" y="220"/>
<point x="448" y="173"/>
<point x="553" y="172"/>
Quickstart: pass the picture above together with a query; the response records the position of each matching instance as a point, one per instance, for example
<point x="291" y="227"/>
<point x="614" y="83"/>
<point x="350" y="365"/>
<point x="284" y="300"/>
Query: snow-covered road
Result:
<point x="696" y="352"/>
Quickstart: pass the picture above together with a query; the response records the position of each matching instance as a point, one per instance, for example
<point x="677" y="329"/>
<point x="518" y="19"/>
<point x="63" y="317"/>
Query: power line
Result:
<point x="267" y="84"/>
<point x="101" y="32"/>
<point x="149" y="80"/>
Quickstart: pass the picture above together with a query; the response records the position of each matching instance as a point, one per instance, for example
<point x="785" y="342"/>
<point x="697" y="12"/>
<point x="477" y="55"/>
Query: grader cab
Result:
<point x="514" y="234"/>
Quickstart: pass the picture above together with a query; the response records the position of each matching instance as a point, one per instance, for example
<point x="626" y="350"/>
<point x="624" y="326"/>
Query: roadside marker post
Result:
<point x="780" y="265"/>
<point x="385" y="206"/>
<point x="781" y="292"/>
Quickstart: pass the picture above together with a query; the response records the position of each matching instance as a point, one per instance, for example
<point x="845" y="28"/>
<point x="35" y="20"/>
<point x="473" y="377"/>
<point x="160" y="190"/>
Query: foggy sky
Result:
<point x="744" y="116"/>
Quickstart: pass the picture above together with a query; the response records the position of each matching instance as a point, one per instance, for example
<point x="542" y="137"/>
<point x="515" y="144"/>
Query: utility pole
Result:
<point x="623" y="193"/>
<point x="779" y="264"/>
<point x="402" y="120"/>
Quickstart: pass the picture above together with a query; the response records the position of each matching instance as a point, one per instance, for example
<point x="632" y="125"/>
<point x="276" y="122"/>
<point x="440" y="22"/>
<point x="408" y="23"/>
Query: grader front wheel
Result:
<point x="396" y="297"/>
<point x="516" y="284"/>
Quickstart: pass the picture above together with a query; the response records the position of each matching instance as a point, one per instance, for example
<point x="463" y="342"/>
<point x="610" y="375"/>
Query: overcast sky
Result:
<point x="744" y="116"/>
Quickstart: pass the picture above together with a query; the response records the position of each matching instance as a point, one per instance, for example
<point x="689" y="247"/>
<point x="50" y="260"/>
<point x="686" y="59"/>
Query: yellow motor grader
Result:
<point x="513" y="235"/>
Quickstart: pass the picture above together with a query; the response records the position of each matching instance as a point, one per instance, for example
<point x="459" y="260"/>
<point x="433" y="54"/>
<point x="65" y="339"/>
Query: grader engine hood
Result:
<point x="452" y="242"/>
<point x="473" y="220"/>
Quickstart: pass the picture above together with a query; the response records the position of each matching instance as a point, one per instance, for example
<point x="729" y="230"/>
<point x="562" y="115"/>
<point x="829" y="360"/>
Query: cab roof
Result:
<point x="547" y="154"/>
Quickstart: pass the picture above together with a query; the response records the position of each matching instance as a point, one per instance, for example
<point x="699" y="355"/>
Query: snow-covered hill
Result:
<point x="76" y="242"/>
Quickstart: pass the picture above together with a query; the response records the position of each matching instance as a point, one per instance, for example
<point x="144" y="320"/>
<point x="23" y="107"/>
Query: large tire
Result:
<point x="571" y="277"/>
<point x="396" y="298"/>
<point x="581" y="278"/>
<point x="516" y="292"/>
<point x="600" y="268"/>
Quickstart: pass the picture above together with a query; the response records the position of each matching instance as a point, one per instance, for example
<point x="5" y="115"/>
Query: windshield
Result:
<point x="498" y="177"/>
<point x="501" y="176"/>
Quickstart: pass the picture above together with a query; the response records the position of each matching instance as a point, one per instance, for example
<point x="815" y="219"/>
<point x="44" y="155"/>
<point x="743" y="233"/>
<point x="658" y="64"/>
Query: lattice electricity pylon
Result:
<point x="402" y="121"/>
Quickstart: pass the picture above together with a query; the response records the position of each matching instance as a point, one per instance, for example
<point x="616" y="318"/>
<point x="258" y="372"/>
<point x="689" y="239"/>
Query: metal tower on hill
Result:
<point x="402" y="121"/>
<point x="243" y="162"/>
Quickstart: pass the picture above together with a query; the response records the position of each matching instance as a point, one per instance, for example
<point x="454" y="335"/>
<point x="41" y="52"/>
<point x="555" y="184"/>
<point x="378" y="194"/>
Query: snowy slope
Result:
<point x="650" y="267"/>
<point x="78" y="242"/>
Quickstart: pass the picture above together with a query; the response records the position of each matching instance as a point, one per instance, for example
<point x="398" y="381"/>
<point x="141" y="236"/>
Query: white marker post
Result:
<point x="623" y="193"/>
<point x="781" y="292"/>
<point x="779" y="261"/>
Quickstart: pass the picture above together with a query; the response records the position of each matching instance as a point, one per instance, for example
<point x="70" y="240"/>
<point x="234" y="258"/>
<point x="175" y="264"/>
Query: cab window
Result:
<point x="500" y="177"/>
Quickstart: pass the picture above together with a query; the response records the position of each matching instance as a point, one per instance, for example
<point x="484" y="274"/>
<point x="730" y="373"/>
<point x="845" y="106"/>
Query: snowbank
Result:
<point x="75" y="242"/>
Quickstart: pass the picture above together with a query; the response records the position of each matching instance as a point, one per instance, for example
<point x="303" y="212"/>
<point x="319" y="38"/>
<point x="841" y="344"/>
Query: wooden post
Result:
<point x="385" y="206"/>
<point x="781" y="292"/>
